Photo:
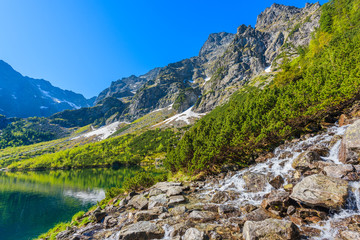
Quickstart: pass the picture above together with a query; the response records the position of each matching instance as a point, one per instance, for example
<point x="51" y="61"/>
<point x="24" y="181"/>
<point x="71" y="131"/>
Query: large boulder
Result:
<point x="350" y="144"/>
<point x="270" y="229"/>
<point x="193" y="234"/>
<point x="320" y="190"/>
<point x="345" y="171"/>
<point x="158" y="200"/>
<point x="277" y="202"/>
<point x="141" y="231"/>
<point x="139" y="202"/>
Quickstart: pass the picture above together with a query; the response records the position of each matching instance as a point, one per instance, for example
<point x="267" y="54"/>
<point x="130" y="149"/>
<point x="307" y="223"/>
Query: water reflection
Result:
<point x="33" y="202"/>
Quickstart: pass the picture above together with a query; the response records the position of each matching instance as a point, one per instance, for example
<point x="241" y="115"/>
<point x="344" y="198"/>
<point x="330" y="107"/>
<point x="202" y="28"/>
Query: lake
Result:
<point x="33" y="202"/>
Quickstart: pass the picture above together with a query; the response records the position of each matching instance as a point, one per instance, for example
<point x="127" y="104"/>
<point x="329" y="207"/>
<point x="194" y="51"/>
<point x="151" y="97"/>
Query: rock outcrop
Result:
<point x="322" y="191"/>
<point x="350" y="144"/>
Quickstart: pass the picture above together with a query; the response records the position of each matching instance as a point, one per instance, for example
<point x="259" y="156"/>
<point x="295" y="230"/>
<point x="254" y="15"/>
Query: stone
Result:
<point x="178" y="210"/>
<point x="270" y="229"/>
<point x="350" y="144"/>
<point x="225" y="209"/>
<point x="265" y="157"/>
<point x="138" y="202"/>
<point x="288" y="187"/>
<point x="147" y="215"/>
<point x="165" y="186"/>
<point x="141" y="231"/>
<point x="193" y="234"/>
<point x="155" y="192"/>
<point x="277" y="182"/>
<point x="201" y="216"/>
<point x="310" y="232"/>
<point x="98" y="215"/>
<point x="304" y="161"/>
<point x="346" y="172"/>
<point x="350" y="235"/>
<point x="254" y="182"/>
<point x="322" y="191"/>
<point x="176" y="199"/>
<point x="257" y="215"/>
<point x="158" y="200"/>
<point x="110" y="221"/>
<point x="176" y="190"/>
<point x="291" y="210"/>
<point x="276" y="202"/>
<point x="309" y="215"/>
<point x="220" y="197"/>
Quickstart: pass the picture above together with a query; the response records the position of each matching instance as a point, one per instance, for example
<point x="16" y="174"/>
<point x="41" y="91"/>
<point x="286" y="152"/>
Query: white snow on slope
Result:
<point x="47" y="94"/>
<point x="268" y="69"/>
<point x="102" y="133"/>
<point x="184" y="116"/>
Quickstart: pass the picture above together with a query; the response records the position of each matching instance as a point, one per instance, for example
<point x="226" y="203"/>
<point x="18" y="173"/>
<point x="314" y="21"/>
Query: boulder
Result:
<point x="257" y="215"/>
<point x="165" y="186"/>
<point x="277" y="182"/>
<point x="270" y="229"/>
<point x="147" y="215"/>
<point x="304" y="161"/>
<point x="320" y="190"/>
<point x="254" y="182"/>
<point x="179" y="210"/>
<point x="276" y="202"/>
<point x="138" y="202"/>
<point x="176" y="190"/>
<point x="155" y="192"/>
<point x="201" y="216"/>
<point x="176" y="199"/>
<point x="350" y="235"/>
<point x="193" y="234"/>
<point x="141" y="231"/>
<point x="346" y="172"/>
<point x="350" y="144"/>
<point x="158" y="200"/>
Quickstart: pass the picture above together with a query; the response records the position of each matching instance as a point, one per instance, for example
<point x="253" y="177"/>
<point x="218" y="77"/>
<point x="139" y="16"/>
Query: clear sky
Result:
<point x="83" y="45"/>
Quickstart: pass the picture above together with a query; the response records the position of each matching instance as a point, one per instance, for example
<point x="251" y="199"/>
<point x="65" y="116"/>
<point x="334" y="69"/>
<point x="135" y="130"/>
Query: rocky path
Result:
<point x="306" y="189"/>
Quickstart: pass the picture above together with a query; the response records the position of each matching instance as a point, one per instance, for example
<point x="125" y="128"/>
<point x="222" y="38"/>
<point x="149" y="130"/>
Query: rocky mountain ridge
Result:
<point x="27" y="97"/>
<point x="225" y="63"/>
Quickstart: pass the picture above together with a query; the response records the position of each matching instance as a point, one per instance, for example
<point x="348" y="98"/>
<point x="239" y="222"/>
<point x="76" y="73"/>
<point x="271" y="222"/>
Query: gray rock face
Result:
<point x="138" y="202"/>
<point x="346" y="172"/>
<point x="141" y="231"/>
<point x="270" y="229"/>
<point x="216" y="45"/>
<point x="193" y="234"/>
<point x="350" y="144"/>
<point x="320" y="190"/>
<point x="158" y="200"/>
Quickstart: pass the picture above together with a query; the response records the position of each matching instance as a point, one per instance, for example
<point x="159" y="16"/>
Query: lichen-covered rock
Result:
<point x="139" y="202"/>
<point x="270" y="229"/>
<point x="346" y="172"/>
<point x="320" y="190"/>
<point x="193" y="234"/>
<point x="350" y="144"/>
<point x="158" y="200"/>
<point x="276" y="202"/>
<point x="141" y="231"/>
<point x="305" y="160"/>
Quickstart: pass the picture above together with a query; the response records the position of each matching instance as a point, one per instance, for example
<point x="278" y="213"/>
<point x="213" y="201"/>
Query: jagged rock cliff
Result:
<point x="225" y="63"/>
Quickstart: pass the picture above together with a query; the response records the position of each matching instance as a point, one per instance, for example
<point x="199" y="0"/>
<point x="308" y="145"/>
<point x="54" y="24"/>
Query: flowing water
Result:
<point x="33" y="202"/>
<point x="282" y="166"/>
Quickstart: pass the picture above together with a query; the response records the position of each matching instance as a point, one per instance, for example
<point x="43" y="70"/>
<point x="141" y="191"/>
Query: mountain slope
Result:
<point x="26" y="97"/>
<point x="308" y="93"/>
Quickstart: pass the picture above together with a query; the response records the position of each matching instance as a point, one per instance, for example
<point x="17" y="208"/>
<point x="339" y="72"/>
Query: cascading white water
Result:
<point x="283" y="166"/>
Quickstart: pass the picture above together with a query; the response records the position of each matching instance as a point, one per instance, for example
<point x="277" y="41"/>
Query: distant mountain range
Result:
<point x="22" y="96"/>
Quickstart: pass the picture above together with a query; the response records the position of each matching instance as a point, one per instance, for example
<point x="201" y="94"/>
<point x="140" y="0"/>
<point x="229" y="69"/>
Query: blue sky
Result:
<point x="83" y="45"/>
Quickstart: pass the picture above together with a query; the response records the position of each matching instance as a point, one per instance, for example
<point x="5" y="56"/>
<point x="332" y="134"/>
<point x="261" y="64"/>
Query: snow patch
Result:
<point x="184" y="116"/>
<point x="268" y="69"/>
<point x="47" y="94"/>
<point x="103" y="132"/>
